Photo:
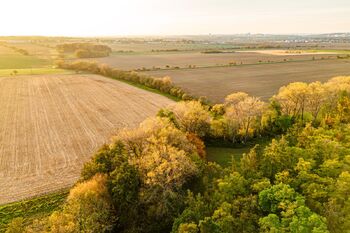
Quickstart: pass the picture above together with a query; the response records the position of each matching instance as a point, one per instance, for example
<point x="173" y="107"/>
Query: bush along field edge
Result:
<point x="163" y="86"/>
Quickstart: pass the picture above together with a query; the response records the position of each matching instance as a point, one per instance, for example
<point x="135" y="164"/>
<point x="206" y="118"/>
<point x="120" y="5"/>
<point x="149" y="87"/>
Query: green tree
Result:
<point x="286" y="212"/>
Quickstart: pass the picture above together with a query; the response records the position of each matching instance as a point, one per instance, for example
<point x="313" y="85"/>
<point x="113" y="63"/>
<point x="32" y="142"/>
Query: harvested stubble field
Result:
<point x="50" y="125"/>
<point x="183" y="60"/>
<point x="262" y="80"/>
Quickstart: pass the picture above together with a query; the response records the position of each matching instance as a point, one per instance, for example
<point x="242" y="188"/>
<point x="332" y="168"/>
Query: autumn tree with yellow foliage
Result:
<point x="155" y="178"/>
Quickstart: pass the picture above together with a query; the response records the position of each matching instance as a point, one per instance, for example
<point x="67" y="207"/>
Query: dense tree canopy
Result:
<point x="155" y="178"/>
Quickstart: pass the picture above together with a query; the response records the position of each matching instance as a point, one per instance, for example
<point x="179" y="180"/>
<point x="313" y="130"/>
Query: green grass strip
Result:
<point x="30" y="209"/>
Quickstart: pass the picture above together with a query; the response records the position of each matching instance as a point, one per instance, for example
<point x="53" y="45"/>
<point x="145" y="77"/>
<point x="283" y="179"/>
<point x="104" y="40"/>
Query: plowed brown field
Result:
<point x="262" y="80"/>
<point x="183" y="60"/>
<point x="51" y="125"/>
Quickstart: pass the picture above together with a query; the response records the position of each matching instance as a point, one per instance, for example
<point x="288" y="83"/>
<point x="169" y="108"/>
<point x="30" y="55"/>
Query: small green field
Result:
<point x="34" y="71"/>
<point x="224" y="155"/>
<point x="19" y="61"/>
<point x="30" y="209"/>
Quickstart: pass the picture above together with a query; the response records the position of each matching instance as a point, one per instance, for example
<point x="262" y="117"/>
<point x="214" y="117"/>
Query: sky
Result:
<point x="171" y="17"/>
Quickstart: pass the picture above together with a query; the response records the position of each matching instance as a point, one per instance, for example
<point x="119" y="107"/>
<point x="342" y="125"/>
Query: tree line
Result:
<point x="164" y="85"/>
<point x="155" y="178"/>
<point x="85" y="50"/>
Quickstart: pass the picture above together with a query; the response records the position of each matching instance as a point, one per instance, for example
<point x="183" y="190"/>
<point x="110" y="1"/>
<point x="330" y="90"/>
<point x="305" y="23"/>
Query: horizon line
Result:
<point x="177" y="35"/>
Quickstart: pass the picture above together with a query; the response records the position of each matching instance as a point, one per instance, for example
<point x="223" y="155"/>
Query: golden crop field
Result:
<point x="51" y="124"/>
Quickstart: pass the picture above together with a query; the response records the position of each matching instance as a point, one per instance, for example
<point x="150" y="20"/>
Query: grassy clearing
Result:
<point x="30" y="209"/>
<point x="34" y="71"/>
<point x="18" y="61"/>
<point x="224" y="155"/>
<point x="223" y="152"/>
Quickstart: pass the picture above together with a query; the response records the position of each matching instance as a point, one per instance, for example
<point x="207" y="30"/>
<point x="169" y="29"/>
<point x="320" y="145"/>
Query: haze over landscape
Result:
<point x="165" y="17"/>
<point x="184" y="116"/>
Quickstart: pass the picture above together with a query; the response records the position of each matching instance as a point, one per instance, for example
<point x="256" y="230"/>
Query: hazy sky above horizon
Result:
<point x="175" y="17"/>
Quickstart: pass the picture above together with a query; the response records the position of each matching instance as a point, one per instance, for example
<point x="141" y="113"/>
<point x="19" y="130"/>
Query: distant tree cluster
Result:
<point x="155" y="178"/>
<point x="85" y="50"/>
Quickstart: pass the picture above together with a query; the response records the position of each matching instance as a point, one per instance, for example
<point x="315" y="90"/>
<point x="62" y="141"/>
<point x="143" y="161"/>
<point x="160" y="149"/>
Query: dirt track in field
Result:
<point x="50" y="125"/>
